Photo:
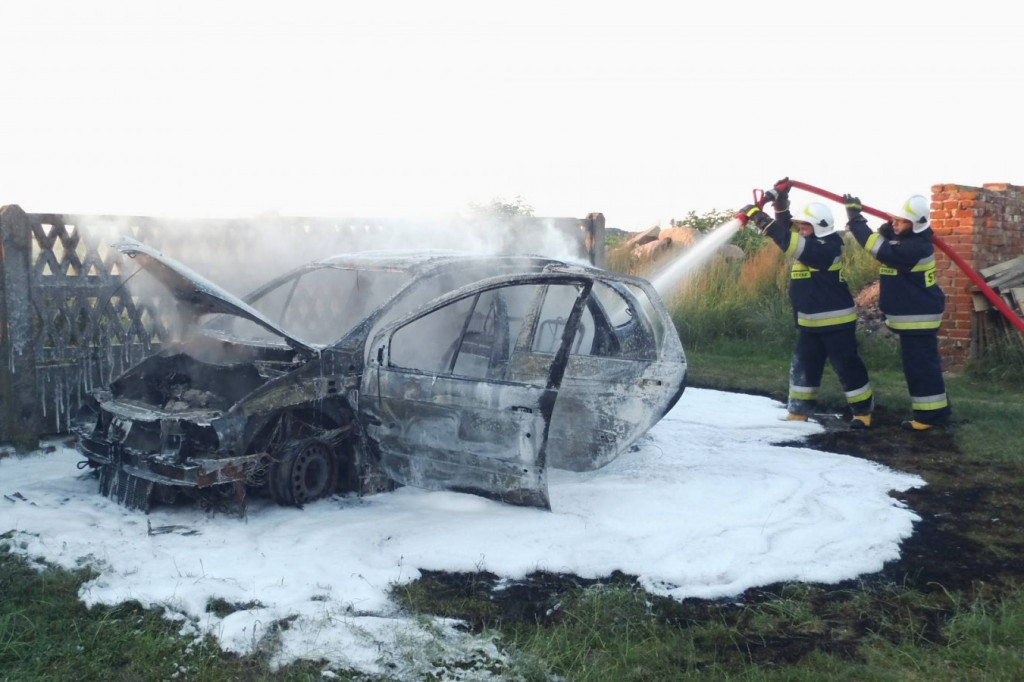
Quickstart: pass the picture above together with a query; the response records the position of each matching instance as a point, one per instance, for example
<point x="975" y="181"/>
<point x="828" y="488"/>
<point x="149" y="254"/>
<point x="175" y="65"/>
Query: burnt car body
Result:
<point x="361" y="371"/>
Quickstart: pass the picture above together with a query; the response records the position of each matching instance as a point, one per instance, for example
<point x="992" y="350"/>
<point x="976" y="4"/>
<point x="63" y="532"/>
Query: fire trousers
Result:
<point x="922" y="367"/>
<point x="839" y="347"/>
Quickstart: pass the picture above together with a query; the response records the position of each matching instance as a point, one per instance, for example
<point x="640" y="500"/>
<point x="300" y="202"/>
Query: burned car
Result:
<point x="359" y="372"/>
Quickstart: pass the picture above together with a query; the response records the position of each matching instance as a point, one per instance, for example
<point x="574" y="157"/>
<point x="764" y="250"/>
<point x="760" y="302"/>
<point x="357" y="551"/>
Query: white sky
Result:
<point x="707" y="507"/>
<point x="641" y="110"/>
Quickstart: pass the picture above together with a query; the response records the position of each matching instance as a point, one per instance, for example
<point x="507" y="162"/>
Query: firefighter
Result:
<point x="823" y="309"/>
<point x="910" y="299"/>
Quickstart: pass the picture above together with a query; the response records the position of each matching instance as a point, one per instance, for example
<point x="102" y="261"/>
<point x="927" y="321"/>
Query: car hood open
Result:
<point x="198" y="294"/>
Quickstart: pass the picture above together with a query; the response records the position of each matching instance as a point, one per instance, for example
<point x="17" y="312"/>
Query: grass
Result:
<point x="860" y="631"/>
<point x="47" y="633"/>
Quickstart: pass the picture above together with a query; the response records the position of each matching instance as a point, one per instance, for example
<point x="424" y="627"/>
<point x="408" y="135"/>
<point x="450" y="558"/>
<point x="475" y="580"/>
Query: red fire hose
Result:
<point x="990" y="294"/>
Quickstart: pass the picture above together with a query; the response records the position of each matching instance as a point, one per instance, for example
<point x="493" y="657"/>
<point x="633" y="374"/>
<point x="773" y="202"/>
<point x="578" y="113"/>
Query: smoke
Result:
<point x="240" y="255"/>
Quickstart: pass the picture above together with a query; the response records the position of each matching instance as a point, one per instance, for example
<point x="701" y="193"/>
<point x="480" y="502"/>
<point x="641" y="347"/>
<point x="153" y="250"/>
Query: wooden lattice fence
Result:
<point x="69" y="323"/>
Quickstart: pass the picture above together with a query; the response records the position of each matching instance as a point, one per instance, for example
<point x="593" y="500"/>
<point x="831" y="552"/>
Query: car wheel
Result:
<point x="305" y="470"/>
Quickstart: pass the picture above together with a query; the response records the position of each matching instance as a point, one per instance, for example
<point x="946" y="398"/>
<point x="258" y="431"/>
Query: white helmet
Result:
<point x="817" y="215"/>
<point x="917" y="210"/>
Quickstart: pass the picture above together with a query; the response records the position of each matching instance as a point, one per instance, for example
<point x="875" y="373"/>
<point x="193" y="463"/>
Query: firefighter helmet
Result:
<point x="817" y="215"/>
<point x="917" y="210"/>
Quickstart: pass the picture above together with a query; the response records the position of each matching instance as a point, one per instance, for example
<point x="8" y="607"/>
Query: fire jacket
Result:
<point x="909" y="296"/>
<point x="817" y="289"/>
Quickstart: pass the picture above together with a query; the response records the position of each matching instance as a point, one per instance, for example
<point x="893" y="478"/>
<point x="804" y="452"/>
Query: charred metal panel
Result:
<point x="605" y="405"/>
<point x="441" y="433"/>
<point x="131" y="491"/>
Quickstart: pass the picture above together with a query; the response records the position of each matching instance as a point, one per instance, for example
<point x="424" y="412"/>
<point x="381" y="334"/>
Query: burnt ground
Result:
<point x="971" y="533"/>
<point x="969" y="544"/>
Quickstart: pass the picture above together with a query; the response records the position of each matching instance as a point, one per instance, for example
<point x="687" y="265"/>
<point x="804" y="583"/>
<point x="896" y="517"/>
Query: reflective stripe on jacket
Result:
<point x="817" y="289"/>
<point x="909" y="294"/>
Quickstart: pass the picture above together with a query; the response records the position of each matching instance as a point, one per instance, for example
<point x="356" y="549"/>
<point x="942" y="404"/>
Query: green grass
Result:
<point x="47" y="633"/>
<point x="863" y="631"/>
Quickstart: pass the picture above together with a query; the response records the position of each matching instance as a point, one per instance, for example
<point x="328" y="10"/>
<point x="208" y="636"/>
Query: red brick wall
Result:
<point x="983" y="226"/>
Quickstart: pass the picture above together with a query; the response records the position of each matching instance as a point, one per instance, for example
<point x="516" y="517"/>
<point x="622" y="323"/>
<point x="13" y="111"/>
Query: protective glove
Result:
<point x="751" y="213"/>
<point x="853" y="206"/>
<point x="886" y="230"/>
<point x="779" y="194"/>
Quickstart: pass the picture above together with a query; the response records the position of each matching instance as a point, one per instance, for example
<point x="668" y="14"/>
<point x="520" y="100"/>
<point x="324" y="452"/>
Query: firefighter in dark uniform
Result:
<point x="910" y="299"/>
<point x="823" y="309"/>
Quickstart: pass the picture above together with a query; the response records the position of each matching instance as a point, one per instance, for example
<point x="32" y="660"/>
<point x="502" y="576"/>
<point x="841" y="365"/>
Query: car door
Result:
<point x="625" y="369"/>
<point x="442" y="406"/>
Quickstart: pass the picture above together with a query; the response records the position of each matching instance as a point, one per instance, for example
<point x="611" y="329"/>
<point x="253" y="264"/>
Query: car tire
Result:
<point x="305" y="470"/>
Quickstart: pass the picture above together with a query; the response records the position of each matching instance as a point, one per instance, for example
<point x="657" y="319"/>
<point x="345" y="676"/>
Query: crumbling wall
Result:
<point x="68" y="323"/>
<point x="984" y="226"/>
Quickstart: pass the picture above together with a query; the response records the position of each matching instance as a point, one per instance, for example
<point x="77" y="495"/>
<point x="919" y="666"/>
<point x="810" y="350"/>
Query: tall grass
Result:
<point x="1003" y="359"/>
<point x="734" y="300"/>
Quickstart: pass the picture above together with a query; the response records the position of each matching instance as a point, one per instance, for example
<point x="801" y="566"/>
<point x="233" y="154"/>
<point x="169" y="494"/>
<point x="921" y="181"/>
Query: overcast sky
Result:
<point x="641" y="110"/>
<point x="707" y="506"/>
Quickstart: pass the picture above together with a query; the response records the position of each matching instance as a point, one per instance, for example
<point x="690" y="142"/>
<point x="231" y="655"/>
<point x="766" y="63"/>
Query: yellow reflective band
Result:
<point x="908" y="326"/>
<point x="874" y="244"/>
<point x="794" y="240"/>
<point x="802" y="396"/>
<point x="886" y="270"/>
<point x="929" y="324"/>
<point x="858" y="394"/>
<point x="938" y="405"/>
<point x="858" y="398"/>
<point x="801" y="271"/>
<point x="827" y="322"/>
<point x="922" y="268"/>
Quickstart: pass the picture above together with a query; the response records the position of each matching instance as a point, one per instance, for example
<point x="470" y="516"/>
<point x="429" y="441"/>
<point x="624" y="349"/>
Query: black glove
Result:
<point x="783" y="186"/>
<point x="779" y="194"/>
<point x="752" y="213"/>
<point x="886" y="230"/>
<point x="853" y="206"/>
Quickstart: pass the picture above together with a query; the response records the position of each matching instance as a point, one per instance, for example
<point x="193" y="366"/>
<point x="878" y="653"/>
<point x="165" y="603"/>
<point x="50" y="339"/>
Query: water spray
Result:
<point x="989" y="293"/>
<point x="710" y="242"/>
<point x="675" y="271"/>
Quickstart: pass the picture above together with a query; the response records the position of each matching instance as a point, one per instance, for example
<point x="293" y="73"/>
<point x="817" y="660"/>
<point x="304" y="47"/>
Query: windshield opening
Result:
<point x="317" y="306"/>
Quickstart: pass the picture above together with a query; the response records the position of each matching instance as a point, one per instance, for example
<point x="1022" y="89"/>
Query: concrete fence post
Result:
<point x="595" y="238"/>
<point x="19" y="409"/>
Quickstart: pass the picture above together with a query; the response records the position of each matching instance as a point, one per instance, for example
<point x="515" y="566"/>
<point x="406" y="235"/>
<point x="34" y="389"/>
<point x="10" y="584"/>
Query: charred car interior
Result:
<point x="363" y="371"/>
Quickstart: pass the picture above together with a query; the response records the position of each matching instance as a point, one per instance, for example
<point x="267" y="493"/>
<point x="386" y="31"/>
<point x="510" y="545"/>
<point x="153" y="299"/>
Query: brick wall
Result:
<point x="984" y="226"/>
